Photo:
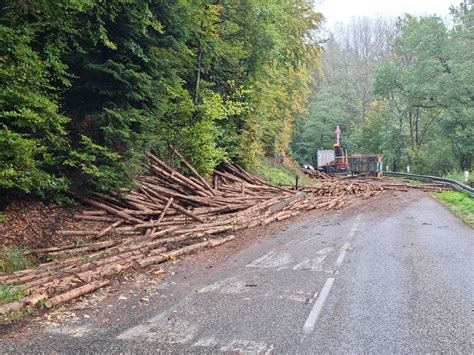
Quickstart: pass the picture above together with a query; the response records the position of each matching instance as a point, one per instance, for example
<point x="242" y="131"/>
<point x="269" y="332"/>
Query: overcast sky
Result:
<point x="342" y="10"/>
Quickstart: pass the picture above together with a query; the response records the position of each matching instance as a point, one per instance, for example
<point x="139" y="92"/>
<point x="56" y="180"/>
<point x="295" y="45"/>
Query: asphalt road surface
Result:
<point x="393" y="275"/>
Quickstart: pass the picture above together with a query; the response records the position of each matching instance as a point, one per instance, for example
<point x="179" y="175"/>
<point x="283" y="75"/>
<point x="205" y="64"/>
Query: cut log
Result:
<point x="77" y="292"/>
<point x="194" y="171"/>
<point x="106" y="208"/>
<point x="106" y="230"/>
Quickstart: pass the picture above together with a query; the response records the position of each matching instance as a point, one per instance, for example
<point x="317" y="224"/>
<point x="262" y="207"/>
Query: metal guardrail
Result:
<point x="448" y="182"/>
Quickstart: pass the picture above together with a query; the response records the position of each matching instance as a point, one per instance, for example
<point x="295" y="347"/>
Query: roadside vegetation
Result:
<point x="14" y="259"/>
<point x="461" y="204"/>
<point x="279" y="173"/>
<point x="86" y="87"/>
<point x="397" y="87"/>
<point x="9" y="293"/>
<point x="459" y="176"/>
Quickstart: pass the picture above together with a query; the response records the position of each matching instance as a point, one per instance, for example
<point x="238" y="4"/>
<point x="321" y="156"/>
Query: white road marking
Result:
<point x="325" y="251"/>
<point x="346" y="246"/>
<point x="308" y="326"/>
<point x="312" y="264"/>
<point x="354" y="226"/>
<point x="342" y="255"/>
<point x="271" y="260"/>
<point x="343" y="252"/>
<point x="340" y="259"/>
<point x="236" y="346"/>
<point x="294" y="298"/>
<point x="229" y="286"/>
<point x="315" y="264"/>
<point x="247" y="347"/>
<point x="311" y="300"/>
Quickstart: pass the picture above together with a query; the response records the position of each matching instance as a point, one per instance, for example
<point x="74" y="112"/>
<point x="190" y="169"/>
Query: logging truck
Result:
<point x="338" y="161"/>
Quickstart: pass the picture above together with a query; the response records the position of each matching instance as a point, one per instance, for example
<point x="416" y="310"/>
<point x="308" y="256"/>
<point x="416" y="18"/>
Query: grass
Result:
<point x="9" y="293"/>
<point x="461" y="204"/>
<point x="279" y="174"/>
<point x="14" y="259"/>
<point x="3" y="218"/>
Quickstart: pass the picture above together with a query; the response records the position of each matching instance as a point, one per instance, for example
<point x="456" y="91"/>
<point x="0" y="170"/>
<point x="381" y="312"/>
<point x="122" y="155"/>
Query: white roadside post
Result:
<point x="466" y="176"/>
<point x="408" y="168"/>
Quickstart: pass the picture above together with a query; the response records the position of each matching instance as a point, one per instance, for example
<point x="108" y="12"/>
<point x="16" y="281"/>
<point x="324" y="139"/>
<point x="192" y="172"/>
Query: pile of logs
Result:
<point x="316" y="174"/>
<point x="167" y="215"/>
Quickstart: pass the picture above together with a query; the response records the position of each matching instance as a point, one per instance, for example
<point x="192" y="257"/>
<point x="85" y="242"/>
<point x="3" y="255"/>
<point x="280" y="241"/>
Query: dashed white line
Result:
<point x="340" y="259"/>
<point x="313" y="316"/>
<point x="342" y="255"/>
<point x="308" y="326"/>
<point x="343" y="252"/>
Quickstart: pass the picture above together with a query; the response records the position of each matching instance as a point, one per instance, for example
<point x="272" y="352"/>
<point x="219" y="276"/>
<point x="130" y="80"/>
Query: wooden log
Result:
<point x="75" y="293"/>
<point x="32" y="300"/>
<point x="107" y="208"/>
<point x="107" y="229"/>
<point x="94" y="218"/>
<point x="160" y="192"/>
<point x="163" y="232"/>
<point x="175" y="175"/>
<point x="87" y="248"/>
<point x="191" y="168"/>
<point x="171" y="255"/>
<point x="216" y="242"/>
<point x="94" y="213"/>
<point x="76" y="232"/>
<point x="162" y="215"/>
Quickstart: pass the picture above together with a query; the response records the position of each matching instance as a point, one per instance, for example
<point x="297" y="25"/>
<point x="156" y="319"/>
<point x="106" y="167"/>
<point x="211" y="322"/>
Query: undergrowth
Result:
<point x="278" y="174"/>
<point x="9" y="293"/>
<point x="14" y="259"/>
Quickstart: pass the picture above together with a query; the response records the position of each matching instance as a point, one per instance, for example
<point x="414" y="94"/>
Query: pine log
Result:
<point x="107" y="229"/>
<point x="191" y="168"/>
<point x="75" y="293"/>
<point x="107" y="208"/>
<point x="32" y="300"/>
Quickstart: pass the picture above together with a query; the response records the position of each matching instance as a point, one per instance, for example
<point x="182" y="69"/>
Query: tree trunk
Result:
<point x="198" y="76"/>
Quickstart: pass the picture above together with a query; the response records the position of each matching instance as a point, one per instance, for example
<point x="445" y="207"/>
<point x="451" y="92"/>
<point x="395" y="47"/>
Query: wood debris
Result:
<point x="168" y="215"/>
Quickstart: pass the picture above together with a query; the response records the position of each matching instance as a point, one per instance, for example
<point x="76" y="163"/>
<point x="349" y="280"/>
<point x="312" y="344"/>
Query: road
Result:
<point x="392" y="275"/>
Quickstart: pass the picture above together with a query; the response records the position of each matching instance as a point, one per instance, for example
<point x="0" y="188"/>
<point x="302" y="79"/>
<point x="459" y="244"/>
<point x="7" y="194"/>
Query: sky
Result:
<point x="342" y="10"/>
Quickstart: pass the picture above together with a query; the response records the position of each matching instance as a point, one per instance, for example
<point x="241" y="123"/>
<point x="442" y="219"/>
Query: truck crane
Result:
<point x="335" y="161"/>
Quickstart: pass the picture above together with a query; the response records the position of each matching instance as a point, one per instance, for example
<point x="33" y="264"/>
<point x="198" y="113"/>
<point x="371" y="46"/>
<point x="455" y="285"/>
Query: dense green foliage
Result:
<point x="87" y="86"/>
<point x="403" y="89"/>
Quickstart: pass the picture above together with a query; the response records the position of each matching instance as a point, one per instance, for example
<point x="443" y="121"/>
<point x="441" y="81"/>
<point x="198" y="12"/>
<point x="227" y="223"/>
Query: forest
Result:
<point x="87" y="87"/>
<point x="403" y="88"/>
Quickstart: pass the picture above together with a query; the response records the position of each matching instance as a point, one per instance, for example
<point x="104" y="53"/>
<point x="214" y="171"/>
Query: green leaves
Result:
<point x="32" y="131"/>
<point x="86" y="87"/>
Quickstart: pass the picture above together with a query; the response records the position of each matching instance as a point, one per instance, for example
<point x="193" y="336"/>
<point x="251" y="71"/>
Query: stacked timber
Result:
<point x="167" y="214"/>
<point x="316" y="174"/>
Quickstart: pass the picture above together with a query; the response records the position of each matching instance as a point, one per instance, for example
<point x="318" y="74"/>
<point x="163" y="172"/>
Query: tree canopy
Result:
<point x="86" y="87"/>
<point x="401" y="88"/>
